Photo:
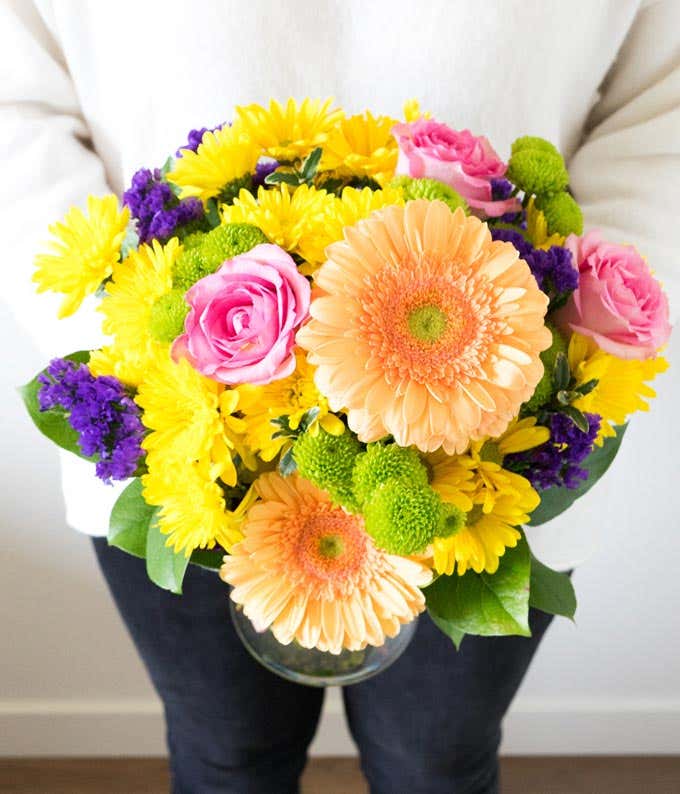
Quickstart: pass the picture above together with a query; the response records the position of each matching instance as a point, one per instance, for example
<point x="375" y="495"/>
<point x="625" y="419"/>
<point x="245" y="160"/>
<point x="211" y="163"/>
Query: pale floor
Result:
<point x="541" y="775"/>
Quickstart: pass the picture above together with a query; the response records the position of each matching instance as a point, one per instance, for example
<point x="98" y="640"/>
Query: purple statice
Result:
<point x="501" y="189"/>
<point x="100" y="410"/>
<point x="195" y="137"/>
<point x="262" y="171"/>
<point x="556" y="463"/>
<point x="156" y="208"/>
<point x="520" y="242"/>
<point x="553" y="269"/>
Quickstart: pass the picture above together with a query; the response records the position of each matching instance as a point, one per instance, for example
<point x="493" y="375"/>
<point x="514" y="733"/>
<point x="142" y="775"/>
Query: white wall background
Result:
<point x="70" y="682"/>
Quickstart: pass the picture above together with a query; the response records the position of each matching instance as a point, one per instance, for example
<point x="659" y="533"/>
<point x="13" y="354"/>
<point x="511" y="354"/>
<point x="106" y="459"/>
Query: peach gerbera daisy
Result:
<point x="425" y="328"/>
<point x="309" y="571"/>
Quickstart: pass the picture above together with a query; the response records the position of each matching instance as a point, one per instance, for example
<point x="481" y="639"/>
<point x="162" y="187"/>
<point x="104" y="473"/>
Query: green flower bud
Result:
<point x="192" y="240"/>
<point x="533" y="142"/>
<point x="403" y="518"/>
<point x="562" y="214"/>
<point x="189" y="267"/>
<point x="327" y="461"/>
<point x="381" y="463"/>
<point x="227" y="241"/>
<point x="537" y="171"/>
<point x="167" y="316"/>
<point x="429" y="189"/>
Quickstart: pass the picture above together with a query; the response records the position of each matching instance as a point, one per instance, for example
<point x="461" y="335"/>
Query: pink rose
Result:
<point x="460" y="159"/>
<point x="243" y="318"/>
<point x="618" y="302"/>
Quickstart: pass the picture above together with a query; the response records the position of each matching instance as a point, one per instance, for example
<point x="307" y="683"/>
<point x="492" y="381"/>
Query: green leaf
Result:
<point x="309" y="417"/>
<point x="551" y="591"/>
<point x="577" y="417"/>
<point x="486" y="604"/>
<point x="587" y="387"/>
<point x="556" y="500"/>
<point x="311" y="163"/>
<point x="130" y="519"/>
<point x="286" y="177"/>
<point x="130" y="242"/>
<point x="212" y="213"/>
<point x="451" y="631"/>
<point x="287" y="464"/>
<point x="561" y="374"/>
<point x="164" y="567"/>
<point x="207" y="558"/>
<point x="53" y="423"/>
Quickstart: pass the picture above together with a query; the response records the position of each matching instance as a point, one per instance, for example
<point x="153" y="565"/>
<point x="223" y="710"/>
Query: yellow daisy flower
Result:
<point x="137" y="283"/>
<point x="353" y="205"/>
<point x="290" y="218"/>
<point x="481" y="543"/>
<point x="192" y="506"/>
<point x="362" y="146"/>
<point x="84" y="253"/>
<point x="621" y="388"/>
<point x="289" y="132"/>
<point x="412" y="111"/>
<point x="291" y="397"/>
<point x="496" y="500"/>
<point x="222" y="156"/>
<point x="192" y="418"/>
<point x="537" y="229"/>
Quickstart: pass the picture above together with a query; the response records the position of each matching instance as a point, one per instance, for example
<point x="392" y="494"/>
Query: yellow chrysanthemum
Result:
<point x="222" y="156"/>
<point x="353" y="205"/>
<point x="290" y="218"/>
<point x="362" y="145"/>
<point x="193" y="511"/>
<point x="495" y="499"/>
<point x="84" y="253"/>
<point x="137" y="283"/>
<point x="291" y="397"/>
<point x="621" y="388"/>
<point x="537" y="229"/>
<point x="289" y="132"/>
<point x="412" y="111"/>
<point x="481" y="543"/>
<point x="191" y="418"/>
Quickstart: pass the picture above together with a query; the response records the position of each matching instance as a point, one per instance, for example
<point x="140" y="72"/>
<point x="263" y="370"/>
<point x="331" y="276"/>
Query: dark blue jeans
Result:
<point x="430" y="724"/>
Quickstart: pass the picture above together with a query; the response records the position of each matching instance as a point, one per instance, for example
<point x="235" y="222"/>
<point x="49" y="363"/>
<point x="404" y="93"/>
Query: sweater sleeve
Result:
<point x="49" y="167"/>
<point x="626" y="173"/>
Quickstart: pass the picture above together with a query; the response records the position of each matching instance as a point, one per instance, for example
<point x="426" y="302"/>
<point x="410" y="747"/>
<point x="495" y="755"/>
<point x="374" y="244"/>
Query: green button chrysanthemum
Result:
<point x="167" y="316"/>
<point x="381" y="463"/>
<point x="562" y="214"/>
<point x="532" y="142"/>
<point x="228" y="241"/>
<point x="538" y="171"/>
<point x="327" y="461"/>
<point x="403" y="517"/>
<point x="203" y="254"/>
<point x="429" y="189"/>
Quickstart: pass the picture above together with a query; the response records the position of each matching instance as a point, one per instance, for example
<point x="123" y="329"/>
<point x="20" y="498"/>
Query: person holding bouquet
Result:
<point x="92" y="92"/>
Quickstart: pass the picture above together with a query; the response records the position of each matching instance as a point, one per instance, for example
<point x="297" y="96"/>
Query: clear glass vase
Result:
<point x="314" y="667"/>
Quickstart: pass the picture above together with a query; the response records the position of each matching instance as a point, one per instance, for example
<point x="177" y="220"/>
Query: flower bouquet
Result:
<point x="349" y="358"/>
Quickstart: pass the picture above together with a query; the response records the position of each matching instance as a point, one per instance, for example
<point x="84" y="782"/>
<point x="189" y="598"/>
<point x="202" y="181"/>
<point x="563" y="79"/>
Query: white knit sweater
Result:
<point x="91" y="91"/>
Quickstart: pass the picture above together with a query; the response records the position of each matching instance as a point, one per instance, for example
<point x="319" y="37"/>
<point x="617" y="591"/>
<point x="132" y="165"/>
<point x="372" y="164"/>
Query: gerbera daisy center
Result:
<point x="331" y="546"/>
<point x="427" y="323"/>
